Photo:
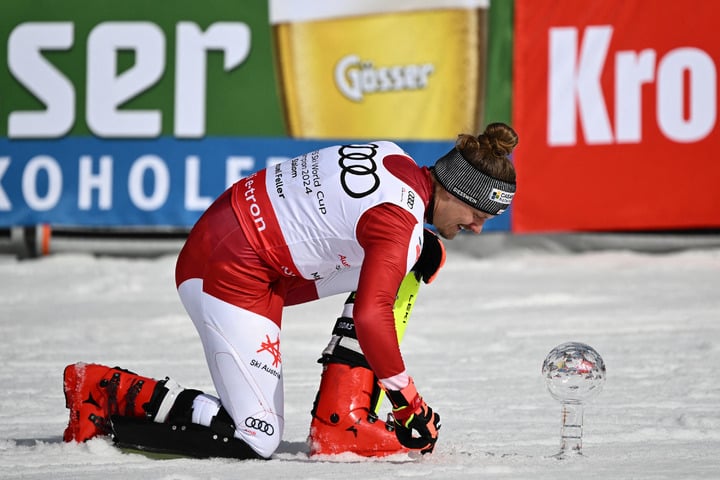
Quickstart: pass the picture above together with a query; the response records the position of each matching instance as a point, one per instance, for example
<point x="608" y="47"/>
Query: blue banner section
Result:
<point x="164" y="182"/>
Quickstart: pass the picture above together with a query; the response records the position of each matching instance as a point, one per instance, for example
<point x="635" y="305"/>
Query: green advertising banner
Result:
<point x="137" y="69"/>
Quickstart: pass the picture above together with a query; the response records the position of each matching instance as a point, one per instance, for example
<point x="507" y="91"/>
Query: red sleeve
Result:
<point x="385" y="233"/>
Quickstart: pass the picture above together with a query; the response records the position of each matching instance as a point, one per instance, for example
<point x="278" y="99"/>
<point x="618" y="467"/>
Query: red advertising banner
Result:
<point x="616" y="105"/>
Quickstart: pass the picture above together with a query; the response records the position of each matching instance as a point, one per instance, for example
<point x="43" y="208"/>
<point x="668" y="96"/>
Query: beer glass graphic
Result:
<point x="404" y="69"/>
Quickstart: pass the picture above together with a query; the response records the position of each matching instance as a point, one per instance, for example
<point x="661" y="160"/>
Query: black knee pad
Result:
<point x="183" y="439"/>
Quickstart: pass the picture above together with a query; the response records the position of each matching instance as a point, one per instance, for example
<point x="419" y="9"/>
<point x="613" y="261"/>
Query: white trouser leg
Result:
<point x="242" y="350"/>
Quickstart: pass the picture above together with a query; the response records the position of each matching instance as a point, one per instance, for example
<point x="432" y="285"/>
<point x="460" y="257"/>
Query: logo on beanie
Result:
<point x="501" y="196"/>
<point x="463" y="195"/>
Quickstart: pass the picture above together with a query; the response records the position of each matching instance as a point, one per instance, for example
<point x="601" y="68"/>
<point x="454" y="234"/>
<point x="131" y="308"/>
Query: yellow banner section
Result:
<point x="404" y="75"/>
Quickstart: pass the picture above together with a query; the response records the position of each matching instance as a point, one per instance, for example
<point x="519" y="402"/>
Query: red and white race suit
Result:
<point x="334" y="220"/>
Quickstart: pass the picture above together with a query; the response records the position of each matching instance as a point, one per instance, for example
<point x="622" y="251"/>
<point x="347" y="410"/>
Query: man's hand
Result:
<point x="413" y="414"/>
<point x="432" y="258"/>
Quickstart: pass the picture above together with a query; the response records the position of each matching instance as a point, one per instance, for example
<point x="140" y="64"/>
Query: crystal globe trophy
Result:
<point x="574" y="374"/>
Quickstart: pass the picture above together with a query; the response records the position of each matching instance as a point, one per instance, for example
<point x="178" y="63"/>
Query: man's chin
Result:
<point x="447" y="235"/>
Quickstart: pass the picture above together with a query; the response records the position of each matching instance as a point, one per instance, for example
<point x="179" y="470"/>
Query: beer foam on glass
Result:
<point x="401" y="69"/>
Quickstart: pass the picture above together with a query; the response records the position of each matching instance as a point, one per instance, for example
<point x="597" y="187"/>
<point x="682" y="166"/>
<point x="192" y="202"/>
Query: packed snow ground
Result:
<point x="475" y="346"/>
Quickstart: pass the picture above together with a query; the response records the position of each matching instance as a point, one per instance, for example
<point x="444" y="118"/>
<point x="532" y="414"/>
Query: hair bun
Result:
<point x="501" y="139"/>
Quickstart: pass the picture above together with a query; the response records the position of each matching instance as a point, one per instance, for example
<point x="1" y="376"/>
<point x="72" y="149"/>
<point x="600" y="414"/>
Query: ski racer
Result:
<point x="347" y="218"/>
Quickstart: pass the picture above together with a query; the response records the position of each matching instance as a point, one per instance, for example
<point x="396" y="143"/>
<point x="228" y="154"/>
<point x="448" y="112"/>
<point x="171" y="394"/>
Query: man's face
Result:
<point x="451" y="215"/>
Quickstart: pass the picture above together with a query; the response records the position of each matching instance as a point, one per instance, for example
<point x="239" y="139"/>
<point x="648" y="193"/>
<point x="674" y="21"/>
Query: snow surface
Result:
<point x="475" y="346"/>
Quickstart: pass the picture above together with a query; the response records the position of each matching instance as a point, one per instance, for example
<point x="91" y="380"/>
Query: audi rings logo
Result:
<point x="358" y="177"/>
<point x="411" y="200"/>
<point x="260" y="425"/>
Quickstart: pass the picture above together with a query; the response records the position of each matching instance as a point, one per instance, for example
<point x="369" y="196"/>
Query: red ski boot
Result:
<point x="341" y="415"/>
<point x="94" y="392"/>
